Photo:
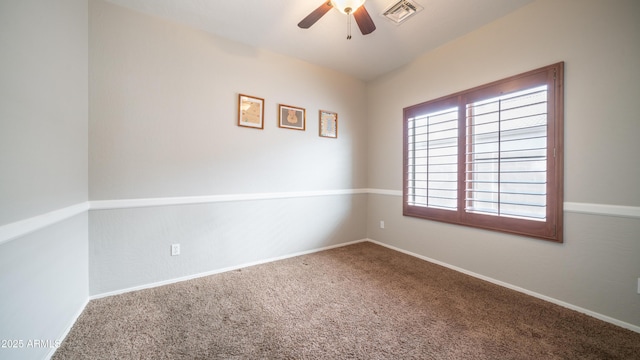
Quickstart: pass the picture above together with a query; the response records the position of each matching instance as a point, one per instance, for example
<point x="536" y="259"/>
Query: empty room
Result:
<point x="379" y="179"/>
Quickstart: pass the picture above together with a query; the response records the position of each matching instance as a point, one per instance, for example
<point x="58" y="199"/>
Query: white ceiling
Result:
<point x="272" y="25"/>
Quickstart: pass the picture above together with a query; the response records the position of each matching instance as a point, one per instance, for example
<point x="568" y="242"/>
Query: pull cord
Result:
<point x="349" y="25"/>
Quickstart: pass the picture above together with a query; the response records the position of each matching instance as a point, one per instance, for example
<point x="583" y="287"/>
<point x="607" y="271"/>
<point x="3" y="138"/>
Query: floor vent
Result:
<point x="402" y="10"/>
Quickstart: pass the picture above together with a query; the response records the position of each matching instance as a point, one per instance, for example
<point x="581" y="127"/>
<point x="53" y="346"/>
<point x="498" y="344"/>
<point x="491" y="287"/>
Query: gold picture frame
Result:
<point x="328" y="124"/>
<point x="291" y="117"/>
<point x="250" y="111"/>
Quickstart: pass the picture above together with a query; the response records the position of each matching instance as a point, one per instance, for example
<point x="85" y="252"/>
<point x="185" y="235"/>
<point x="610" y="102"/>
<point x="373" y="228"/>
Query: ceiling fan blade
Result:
<point x="364" y="21"/>
<point x="315" y="15"/>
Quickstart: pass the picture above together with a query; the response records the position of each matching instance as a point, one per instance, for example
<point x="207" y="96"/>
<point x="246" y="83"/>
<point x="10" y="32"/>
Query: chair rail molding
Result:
<point x="20" y="228"/>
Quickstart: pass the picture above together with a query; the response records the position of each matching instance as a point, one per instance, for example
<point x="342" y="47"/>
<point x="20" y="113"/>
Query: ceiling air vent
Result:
<point x="400" y="11"/>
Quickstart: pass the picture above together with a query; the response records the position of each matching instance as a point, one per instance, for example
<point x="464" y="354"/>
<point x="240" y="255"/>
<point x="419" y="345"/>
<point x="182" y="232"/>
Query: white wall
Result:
<point x="43" y="168"/>
<point x="163" y="124"/>
<point x="597" y="266"/>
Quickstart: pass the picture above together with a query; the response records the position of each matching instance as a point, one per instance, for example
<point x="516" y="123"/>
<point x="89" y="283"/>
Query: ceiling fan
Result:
<point x="347" y="7"/>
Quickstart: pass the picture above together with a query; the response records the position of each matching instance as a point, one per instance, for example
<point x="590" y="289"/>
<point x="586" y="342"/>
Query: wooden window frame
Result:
<point x="551" y="228"/>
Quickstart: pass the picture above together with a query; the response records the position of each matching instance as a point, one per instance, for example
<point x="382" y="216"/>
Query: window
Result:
<point x="490" y="157"/>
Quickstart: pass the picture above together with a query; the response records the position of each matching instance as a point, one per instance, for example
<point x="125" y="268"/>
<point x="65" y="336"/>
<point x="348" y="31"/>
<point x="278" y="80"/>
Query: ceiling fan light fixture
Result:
<point x="347" y="6"/>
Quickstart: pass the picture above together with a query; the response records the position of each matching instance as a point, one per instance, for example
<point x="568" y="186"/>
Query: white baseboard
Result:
<point x="68" y="328"/>
<point x="516" y="288"/>
<point x="218" y="271"/>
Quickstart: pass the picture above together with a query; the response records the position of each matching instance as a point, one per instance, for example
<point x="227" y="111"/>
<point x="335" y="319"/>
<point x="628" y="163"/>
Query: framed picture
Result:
<point x="250" y="111"/>
<point x="291" y="117"/>
<point x="328" y="124"/>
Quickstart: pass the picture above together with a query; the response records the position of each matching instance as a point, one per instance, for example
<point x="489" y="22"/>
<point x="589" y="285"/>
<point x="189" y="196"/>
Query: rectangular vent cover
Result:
<point x="402" y="10"/>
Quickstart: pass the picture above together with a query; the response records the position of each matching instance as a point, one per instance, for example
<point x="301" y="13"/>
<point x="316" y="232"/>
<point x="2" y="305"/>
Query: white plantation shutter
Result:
<point x="489" y="157"/>
<point x="506" y="155"/>
<point x="433" y="160"/>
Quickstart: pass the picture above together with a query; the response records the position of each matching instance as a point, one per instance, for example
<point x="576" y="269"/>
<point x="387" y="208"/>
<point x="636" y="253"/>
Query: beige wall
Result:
<point x="598" y="265"/>
<point x="43" y="107"/>
<point x="163" y="124"/>
<point x="163" y="101"/>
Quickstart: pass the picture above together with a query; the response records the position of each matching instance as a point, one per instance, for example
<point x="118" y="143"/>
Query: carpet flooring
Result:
<point x="361" y="301"/>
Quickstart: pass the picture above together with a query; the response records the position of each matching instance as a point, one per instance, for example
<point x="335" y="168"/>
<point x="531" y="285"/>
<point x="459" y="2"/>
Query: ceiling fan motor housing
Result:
<point x="347" y="6"/>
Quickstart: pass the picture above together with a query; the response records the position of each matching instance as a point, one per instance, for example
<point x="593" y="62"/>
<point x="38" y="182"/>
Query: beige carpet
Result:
<point x="361" y="301"/>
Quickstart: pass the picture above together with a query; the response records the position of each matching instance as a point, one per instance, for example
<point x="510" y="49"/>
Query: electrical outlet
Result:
<point x="175" y="249"/>
<point x="381" y="224"/>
